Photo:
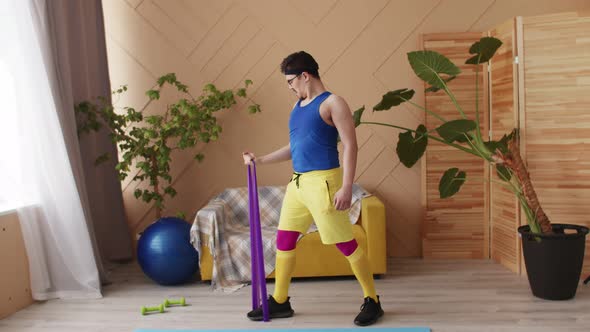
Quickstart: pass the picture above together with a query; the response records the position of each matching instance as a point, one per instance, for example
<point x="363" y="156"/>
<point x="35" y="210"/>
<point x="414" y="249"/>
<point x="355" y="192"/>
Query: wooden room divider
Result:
<point x="538" y="82"/>
<point x="455" y="227"/>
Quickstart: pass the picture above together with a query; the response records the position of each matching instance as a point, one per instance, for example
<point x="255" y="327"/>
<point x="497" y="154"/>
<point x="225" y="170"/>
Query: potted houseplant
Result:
<point x="553" y="258"/>
<point x="164" y="251"/>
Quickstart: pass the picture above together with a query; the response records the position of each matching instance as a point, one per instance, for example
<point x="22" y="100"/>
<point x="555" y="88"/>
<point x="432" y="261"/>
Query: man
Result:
<point x="319" y="190"/>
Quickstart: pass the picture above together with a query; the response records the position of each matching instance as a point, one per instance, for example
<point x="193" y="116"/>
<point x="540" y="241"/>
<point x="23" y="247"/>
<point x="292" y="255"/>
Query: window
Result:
<point x="9" y="152"/>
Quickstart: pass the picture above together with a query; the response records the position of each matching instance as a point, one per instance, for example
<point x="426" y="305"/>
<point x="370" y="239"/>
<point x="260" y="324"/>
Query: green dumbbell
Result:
<point x="168" y="303"/>
<point x="145" y="310"/>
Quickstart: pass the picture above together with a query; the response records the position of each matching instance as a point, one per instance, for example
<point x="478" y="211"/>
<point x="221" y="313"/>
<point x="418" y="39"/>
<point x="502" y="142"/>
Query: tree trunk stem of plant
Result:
<point x="156" y="184"/>
<point x="517" y="165"/>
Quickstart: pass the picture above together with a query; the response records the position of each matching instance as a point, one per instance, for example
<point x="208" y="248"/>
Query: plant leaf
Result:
<point x="170" y="191"/>
<point x="153" y="94"/>
<point x="168" y="78"/>
<point x="501" y="145"/>
<point x="451" y="182"/>
<point x="503" y="172"/>
<point x="357" y="116"/>
<point x="506" y="139"/>
<point x="492" y="146"/>
<point x="435" y="89"/>
<point x="454" y="130"/>
<point x="428" y="65"/>
<point x="484" y="50"/>
<point x="393" y="98"/>
<point x="255" y="108"/>
<point x="462" y="139"/>
<point x="101" y="159"/>
<point x="411" y="148"/>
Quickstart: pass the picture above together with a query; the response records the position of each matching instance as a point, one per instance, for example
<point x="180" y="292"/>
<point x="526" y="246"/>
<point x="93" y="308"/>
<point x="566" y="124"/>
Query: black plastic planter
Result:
<point x="554" y="263"/>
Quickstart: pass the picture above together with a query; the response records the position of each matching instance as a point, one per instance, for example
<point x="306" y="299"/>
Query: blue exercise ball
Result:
<point x="165" y="253"/>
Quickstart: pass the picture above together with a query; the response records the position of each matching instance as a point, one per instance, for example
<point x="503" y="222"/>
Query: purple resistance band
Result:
<point x="256" y="254"/>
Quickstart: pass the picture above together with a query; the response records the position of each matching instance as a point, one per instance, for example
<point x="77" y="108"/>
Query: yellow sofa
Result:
<point x="315" y="259"/>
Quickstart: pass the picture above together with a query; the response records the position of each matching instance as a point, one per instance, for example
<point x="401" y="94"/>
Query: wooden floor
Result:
<point x="453" y="296"/>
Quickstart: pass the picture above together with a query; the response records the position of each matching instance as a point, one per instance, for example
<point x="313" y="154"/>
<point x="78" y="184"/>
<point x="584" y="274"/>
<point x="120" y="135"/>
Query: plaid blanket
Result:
<point x="224" y="221"/>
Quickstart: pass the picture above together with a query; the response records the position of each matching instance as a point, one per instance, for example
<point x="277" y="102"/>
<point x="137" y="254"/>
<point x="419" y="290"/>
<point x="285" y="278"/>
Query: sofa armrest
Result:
<point x="373" y="222"/>
<point x="202" y="234"/>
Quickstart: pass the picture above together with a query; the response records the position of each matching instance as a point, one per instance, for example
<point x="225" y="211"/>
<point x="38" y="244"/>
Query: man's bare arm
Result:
<point x="282" y="154"/>
<point x="342" y="118"/>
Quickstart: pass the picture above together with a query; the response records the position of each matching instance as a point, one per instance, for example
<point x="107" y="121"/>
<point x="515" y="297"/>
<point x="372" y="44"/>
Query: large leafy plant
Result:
<point x="461" y="133"/>
<point x="147" y="142"/>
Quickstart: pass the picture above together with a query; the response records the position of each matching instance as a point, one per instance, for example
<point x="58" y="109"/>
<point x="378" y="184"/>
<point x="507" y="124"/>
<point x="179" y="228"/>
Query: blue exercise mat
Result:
<point x="381" y="329"/>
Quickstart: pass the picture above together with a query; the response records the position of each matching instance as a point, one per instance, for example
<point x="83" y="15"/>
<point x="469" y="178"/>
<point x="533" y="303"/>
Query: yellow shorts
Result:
<point x="310" y="197"/>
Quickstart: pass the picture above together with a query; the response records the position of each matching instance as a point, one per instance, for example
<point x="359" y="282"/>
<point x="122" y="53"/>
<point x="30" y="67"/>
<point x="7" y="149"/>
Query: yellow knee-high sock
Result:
<point x="360" y="266"/>
<point x="285" y="264"/>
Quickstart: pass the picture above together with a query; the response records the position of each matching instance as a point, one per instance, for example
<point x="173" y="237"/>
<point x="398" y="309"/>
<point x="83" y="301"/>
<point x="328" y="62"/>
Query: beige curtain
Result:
<point x="78" y="70"/>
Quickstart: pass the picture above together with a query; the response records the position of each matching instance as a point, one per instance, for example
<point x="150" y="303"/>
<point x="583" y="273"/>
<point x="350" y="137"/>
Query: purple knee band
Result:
<point x="286" y="240"/>
<point x="347" y="248"/>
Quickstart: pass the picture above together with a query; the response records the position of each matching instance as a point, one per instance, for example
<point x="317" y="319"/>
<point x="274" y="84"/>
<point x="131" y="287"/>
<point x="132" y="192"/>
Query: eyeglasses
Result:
<point x="289" y="81"/>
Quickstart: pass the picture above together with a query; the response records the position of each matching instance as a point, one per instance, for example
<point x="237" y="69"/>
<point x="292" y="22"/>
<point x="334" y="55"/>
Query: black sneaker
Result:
<point x="370" y="312"/>
<point x="276" y="310"/>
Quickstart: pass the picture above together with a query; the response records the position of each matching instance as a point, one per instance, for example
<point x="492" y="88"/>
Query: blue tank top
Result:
<point x="313" y="141"/>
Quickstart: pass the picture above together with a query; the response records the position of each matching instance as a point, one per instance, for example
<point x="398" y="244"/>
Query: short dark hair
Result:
<point x="298" y="62"/>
